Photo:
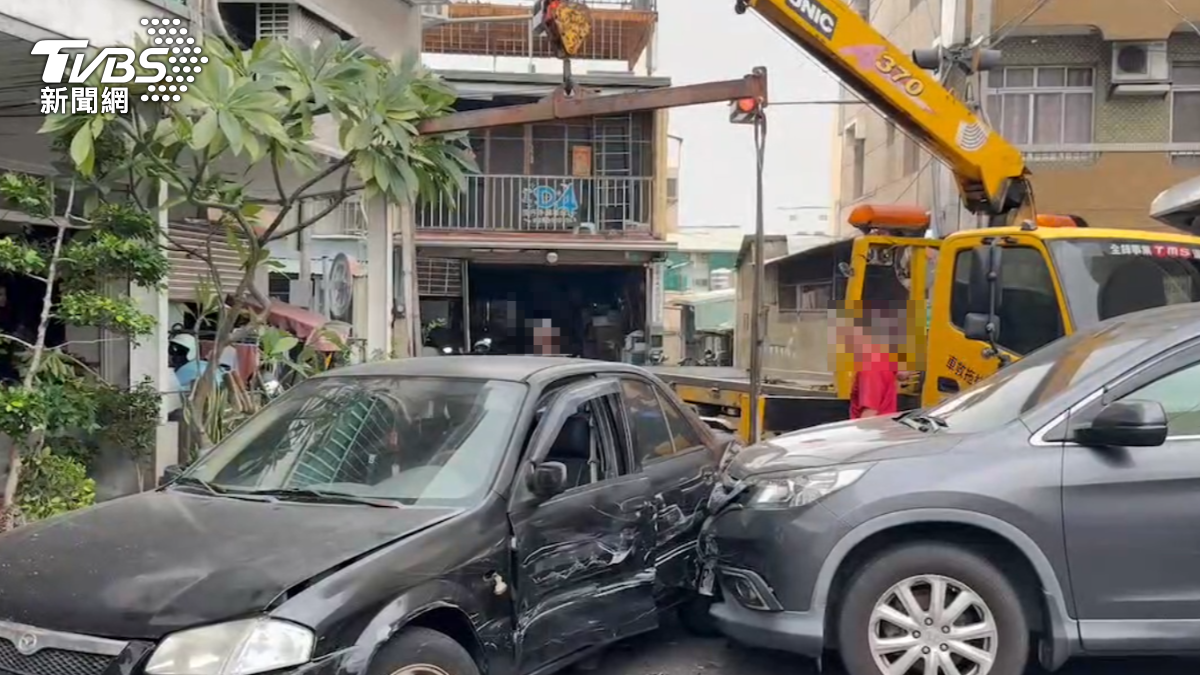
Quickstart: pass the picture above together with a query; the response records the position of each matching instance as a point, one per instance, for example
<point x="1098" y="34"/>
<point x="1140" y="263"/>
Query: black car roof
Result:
<point x="507" y="368"/>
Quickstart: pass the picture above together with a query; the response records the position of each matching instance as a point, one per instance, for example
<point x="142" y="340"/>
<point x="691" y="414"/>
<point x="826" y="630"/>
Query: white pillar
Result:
<point x="381" y="231"/>
<point x="148" y="358"/>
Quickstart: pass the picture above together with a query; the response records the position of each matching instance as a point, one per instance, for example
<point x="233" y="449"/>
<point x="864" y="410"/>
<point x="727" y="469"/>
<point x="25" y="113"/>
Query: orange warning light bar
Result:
<point x="1052" y="220"/>
<point x="904" y="217"/>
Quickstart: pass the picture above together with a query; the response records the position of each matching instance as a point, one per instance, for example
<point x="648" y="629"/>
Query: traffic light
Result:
<point x="745" y="110"/>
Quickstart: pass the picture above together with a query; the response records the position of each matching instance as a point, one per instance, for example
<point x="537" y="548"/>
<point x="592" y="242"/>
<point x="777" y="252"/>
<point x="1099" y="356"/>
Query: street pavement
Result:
<point x="670" y="651"/>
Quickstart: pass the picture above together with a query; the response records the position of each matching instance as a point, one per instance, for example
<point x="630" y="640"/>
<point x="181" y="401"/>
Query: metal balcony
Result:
<point x="621" y="29"/>
<point x="512" y="203"/>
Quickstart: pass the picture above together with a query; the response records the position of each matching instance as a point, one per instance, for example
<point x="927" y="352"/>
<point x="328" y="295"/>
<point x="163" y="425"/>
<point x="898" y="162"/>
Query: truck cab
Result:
<point x="980" y="299"/>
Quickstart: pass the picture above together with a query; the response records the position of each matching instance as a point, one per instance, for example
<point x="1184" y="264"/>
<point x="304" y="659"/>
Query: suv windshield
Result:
<point x="1035" y="379"/>
<point x="1104" y="278"/>
<point x="413" y="440"/>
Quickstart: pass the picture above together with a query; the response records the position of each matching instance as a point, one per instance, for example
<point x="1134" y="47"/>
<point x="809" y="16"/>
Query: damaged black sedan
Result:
<point x="445" y="516"/>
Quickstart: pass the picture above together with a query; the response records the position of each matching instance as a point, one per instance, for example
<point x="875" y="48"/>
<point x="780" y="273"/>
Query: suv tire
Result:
<point x="695" y="617"/>
<point x="874" y="615"/>
<point x="423" y="651"/>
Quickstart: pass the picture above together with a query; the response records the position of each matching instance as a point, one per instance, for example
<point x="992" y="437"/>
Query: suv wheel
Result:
<point x="932" y="609"/>
<point x="423" y="651"/>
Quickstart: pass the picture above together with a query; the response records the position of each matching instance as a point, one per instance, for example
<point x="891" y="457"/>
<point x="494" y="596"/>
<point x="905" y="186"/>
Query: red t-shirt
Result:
<point x="875" y="386"/>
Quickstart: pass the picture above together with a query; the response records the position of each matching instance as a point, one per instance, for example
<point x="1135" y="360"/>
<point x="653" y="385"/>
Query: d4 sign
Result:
<point x="118" y="63"/>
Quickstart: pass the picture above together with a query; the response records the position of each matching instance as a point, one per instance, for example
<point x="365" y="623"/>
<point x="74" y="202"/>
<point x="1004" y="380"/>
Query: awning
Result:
<point x="305" y="324"/>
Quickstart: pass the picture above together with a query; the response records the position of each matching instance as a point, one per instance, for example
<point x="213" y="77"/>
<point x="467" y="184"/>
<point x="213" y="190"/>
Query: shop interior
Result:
<point x="595" y="309"/>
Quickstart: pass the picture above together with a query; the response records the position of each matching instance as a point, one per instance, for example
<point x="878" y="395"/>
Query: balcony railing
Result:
<point x="544" y="204"/>
<point x="621" y="29"/>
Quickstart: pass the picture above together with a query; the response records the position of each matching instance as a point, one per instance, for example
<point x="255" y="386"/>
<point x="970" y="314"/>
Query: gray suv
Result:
<point x="1054" y="506"/>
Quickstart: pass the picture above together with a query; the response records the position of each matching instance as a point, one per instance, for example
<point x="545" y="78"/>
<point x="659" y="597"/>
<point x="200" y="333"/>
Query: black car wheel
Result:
<point x="422" y="651"/>
<point x="695" y="618"/>
<point x="932" y="609"/>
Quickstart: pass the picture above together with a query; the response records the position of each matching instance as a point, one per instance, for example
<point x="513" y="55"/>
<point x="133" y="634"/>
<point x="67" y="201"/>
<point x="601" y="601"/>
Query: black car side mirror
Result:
<point x="170" y="473"/>
<point x="548" y="480"/>
<point x="975" y="327"/>
<point x="1126" y="424"/>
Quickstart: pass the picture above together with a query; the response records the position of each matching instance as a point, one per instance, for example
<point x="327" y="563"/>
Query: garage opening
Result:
<point x="594" y="308"/>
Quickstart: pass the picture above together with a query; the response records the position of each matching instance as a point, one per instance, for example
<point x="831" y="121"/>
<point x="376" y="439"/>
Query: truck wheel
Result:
<point x="932" y="608"/>
<point x="695" y="618"/>
<point x="422" y="651"/>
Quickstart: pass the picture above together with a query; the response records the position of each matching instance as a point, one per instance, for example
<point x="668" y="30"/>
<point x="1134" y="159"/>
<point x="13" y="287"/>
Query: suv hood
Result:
<point x="870" y="440"/>
<point x="151" y="564"/>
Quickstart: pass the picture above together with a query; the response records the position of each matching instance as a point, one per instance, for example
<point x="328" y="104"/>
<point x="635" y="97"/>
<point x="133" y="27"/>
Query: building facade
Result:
<point x="566" y="220"/>
<point x="1103" y="102"/>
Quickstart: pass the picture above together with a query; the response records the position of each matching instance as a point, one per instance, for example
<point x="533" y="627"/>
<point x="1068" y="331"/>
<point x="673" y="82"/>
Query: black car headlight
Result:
<point x="786" y="490"/>
<point x="243" y="647"/>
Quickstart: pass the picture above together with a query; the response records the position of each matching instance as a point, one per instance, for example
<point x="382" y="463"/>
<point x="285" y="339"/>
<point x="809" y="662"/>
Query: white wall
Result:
<point x="390" y="27"/>
<point x="108" y="22"/>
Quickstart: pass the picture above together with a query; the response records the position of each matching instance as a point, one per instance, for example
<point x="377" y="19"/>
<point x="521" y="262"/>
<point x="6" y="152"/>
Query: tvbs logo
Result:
<point x="174" y="57"/>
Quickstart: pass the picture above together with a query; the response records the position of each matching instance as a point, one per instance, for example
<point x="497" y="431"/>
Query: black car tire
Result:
<point x="891" y="567"/>
<point x="695" y="617"/>
<point x="418" y="646"/>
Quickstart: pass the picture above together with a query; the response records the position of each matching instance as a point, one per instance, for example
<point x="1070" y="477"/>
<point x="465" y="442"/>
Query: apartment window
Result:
<point x="864" y="8"/>
<point x="913" y="4"/>
<point x="891" y="133"/>
<point x="1185" y="103"/>
<point x="673" y="189"/>
<point x="1046" y="105"/>
<point x="806" y="297"/>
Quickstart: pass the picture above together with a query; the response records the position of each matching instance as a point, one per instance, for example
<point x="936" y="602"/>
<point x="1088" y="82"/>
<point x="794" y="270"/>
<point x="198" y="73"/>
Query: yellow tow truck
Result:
<point x="996" y="293"/>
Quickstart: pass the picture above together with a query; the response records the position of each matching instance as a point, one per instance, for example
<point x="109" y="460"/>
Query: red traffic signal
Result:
<point x="745" y="110"/>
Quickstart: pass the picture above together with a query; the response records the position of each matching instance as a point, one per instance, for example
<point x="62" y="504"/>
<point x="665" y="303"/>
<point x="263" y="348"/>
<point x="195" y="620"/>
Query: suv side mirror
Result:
<point x="547" y="480"/>
<point x="1126" y="424"/>
<point x="170" y="473"/>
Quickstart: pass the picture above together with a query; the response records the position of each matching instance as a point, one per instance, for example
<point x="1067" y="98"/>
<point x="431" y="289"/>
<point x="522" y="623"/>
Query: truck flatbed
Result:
<point x="737" y="381"/>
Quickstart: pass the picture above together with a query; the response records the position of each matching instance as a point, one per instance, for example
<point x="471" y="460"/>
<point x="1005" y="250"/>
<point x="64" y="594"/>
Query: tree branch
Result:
<point x="309" y="222"/>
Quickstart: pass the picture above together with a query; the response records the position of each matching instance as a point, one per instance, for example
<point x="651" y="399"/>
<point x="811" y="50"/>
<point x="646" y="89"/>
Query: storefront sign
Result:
<point x="545" y="205"/>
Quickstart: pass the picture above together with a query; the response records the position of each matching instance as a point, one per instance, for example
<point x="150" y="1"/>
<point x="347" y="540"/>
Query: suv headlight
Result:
<point x="800" y="488"/>
<point x="235" y="648"/>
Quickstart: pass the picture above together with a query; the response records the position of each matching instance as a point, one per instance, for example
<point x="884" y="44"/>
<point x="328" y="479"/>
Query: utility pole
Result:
<point x="752" y="111"/>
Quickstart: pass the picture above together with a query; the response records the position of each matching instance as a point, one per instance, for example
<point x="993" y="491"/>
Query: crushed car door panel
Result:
<point x="675" y="457"/>
<point x="584" y="571"/>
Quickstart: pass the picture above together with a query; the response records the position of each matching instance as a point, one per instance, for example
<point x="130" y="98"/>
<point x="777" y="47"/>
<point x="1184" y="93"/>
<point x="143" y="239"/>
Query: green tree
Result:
<point x="253" y="114"/>
<point x="55" y="394"/>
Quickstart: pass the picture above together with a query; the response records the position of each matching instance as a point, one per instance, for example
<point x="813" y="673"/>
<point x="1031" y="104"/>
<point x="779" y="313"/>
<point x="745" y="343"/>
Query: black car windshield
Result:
<point x="1035" y="379"/>
<point x="1105" y="278"/>
<point x="415" y="440"/>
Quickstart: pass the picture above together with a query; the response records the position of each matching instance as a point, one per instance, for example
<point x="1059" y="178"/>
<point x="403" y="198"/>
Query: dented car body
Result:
<point x="521" y="506"/>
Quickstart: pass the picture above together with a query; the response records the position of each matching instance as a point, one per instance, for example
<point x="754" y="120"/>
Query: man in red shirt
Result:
<point x="876" y="377"/>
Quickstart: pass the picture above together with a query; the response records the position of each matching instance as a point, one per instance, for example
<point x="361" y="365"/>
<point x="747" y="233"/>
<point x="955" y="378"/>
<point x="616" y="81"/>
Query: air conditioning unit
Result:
<point x="1140" y="68"/>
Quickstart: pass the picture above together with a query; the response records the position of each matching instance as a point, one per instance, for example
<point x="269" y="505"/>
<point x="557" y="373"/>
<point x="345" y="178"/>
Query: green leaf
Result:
<point x="205" y="130"/>
<point x="284" y="345"/>
<point x="83" y="150"/>
<point x="360" y="136"/>
<point x="232" y="130"/>
<point x="97" y="126"/>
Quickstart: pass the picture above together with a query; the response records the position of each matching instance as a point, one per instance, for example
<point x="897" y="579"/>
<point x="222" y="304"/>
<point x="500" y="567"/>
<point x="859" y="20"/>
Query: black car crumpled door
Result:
<point x="583" y="558"/>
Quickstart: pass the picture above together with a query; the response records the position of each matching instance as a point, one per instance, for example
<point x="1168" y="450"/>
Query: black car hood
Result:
<point x="150" y="564"/>
<point x="870" y="440"/>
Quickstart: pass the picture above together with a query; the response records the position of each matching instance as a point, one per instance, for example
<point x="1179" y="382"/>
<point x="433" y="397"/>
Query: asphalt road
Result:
<point x="670" y="651"/>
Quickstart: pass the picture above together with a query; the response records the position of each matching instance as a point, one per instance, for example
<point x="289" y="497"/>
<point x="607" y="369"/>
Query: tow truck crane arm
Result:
<point x="991" y="174"/>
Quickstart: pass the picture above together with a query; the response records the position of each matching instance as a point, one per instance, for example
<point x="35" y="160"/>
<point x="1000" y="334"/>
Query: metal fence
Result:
<point x="514" y="203"/>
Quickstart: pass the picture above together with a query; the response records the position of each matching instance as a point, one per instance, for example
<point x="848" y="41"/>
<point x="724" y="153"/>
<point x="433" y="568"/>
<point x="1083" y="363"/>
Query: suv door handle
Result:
<point x="947" y="385"/>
